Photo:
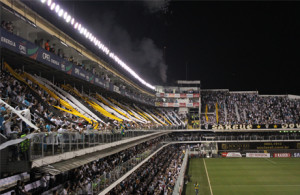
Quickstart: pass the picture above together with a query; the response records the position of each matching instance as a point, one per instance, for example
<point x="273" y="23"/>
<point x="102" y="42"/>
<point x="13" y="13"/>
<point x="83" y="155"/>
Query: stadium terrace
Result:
<point x="76" y="121"/>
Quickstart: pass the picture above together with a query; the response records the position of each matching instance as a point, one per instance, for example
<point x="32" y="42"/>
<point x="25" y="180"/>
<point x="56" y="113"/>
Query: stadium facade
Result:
<point x="66" y="110"/>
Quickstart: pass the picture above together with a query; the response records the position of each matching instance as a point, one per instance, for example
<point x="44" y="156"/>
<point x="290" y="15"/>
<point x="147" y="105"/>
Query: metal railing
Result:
<point x="49" y="144"/>
<point x="237" y="138"/>
<point x="103" y="181"/>
<point x="180" y="180"/>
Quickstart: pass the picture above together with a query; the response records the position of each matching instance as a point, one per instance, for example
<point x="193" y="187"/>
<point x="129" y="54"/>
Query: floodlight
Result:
<point x="52" y="6"/>
<point x="61" y="12"/>
<point x="81" y="30"/>
<point x="76" y="25"/>
<point x="64" y="43"/>
<point x="68" y="19"/>
<point x="57" y="8"/>
<point x="66" y="15"/>
<point x="92" y="38"/>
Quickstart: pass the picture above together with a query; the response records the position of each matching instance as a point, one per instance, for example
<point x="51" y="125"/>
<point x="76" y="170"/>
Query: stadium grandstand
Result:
<point x="75" y="120"/>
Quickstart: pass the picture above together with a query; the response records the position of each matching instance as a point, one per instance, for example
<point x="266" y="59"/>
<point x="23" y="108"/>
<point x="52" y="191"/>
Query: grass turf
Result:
<point x="245" y="176"/>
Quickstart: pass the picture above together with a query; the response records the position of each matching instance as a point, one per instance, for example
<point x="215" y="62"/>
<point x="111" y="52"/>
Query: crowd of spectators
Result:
<point x="248" y="108"/>
<point x="196" y="136"/>
<point x="18" y="95"/>
<point x="85" y="179"/>
<point x="157" y="176"/>
<point x="30" y="97"/>
<point x="7" y="25"/>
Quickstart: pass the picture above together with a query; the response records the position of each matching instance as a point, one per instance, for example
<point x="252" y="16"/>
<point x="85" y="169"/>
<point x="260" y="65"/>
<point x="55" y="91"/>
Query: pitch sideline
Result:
<point x="207" y="177"/>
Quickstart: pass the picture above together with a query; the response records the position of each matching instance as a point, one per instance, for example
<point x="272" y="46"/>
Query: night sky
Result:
<point x="226" y="45"/>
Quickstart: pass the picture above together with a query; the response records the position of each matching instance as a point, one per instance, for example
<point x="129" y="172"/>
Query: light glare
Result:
<point x="61" y="12"/>
<point x="57" y="8"/>
<point x="76" y="25"/>
<point x="52" y="6"/>
<point x="68" y="18"/>
<point x="93" y="39"/>
<point x="65" y="15"/>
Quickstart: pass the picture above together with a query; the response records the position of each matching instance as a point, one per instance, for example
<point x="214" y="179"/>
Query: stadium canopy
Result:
<point x="56" y="8"/>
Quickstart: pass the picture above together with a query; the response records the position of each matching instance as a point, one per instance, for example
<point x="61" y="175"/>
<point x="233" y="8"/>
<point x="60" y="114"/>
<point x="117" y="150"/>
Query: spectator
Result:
<point x="47" y="46"/>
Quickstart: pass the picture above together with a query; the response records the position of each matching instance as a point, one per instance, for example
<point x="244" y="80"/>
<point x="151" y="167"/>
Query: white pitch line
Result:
<point x="274" y="163"/>
<point x="230" y="185"/>
<point x="207" y="177"/>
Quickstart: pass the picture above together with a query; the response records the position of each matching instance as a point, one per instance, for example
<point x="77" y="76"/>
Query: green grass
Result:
<point x="244" y="176"/>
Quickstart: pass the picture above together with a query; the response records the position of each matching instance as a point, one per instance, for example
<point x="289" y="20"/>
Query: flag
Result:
<point x="206" y="110"/>
<point x="122" y="129"/>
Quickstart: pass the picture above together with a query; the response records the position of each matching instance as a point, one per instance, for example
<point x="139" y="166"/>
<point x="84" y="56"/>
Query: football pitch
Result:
<point x="244" y="176"/>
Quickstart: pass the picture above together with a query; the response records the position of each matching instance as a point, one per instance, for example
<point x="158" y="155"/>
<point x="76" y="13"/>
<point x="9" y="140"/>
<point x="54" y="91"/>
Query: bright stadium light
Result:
<point x="68" y="19"/>
<point x="57" y="8"/>
<point x="65" y="15"/>
<point x="52" y="6"/>
<point x="81" y="30"/>
<point x="76" y="25"/>
<point x="60" y="12"/>
<point x="86" y="34"/>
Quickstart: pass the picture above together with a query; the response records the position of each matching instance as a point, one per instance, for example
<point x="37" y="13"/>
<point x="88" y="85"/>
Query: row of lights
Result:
<point x="82" y="30"/>
<point x="289" y="131"/>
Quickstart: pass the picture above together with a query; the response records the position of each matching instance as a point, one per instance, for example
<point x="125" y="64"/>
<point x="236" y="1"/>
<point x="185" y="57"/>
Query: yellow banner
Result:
<point x="206" y="110"/>
<point x="107" y="104"/>
<point x="103" y="111"/>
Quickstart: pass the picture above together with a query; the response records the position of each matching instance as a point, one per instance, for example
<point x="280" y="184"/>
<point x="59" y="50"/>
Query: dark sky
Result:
<point x="233" y="45"/>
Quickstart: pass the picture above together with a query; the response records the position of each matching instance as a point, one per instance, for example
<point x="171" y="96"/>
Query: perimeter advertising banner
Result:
<point x="176" y="105"/>
<point x="290" y="126"/>
<point x="258" y="155"/>
<point x="233" y="155"/>
<point x="296" y="155"/>
<point x="178" y="95"/>
<point x="282" y="155"/>
<point x="258" y="145"/>
<point x="26" y="48"/>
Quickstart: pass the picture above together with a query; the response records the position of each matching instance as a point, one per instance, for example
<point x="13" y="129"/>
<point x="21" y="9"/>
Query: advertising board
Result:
<point x="258" y="155"/>
<point x="233" y="155"/>
<point x="282" y="155"/>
